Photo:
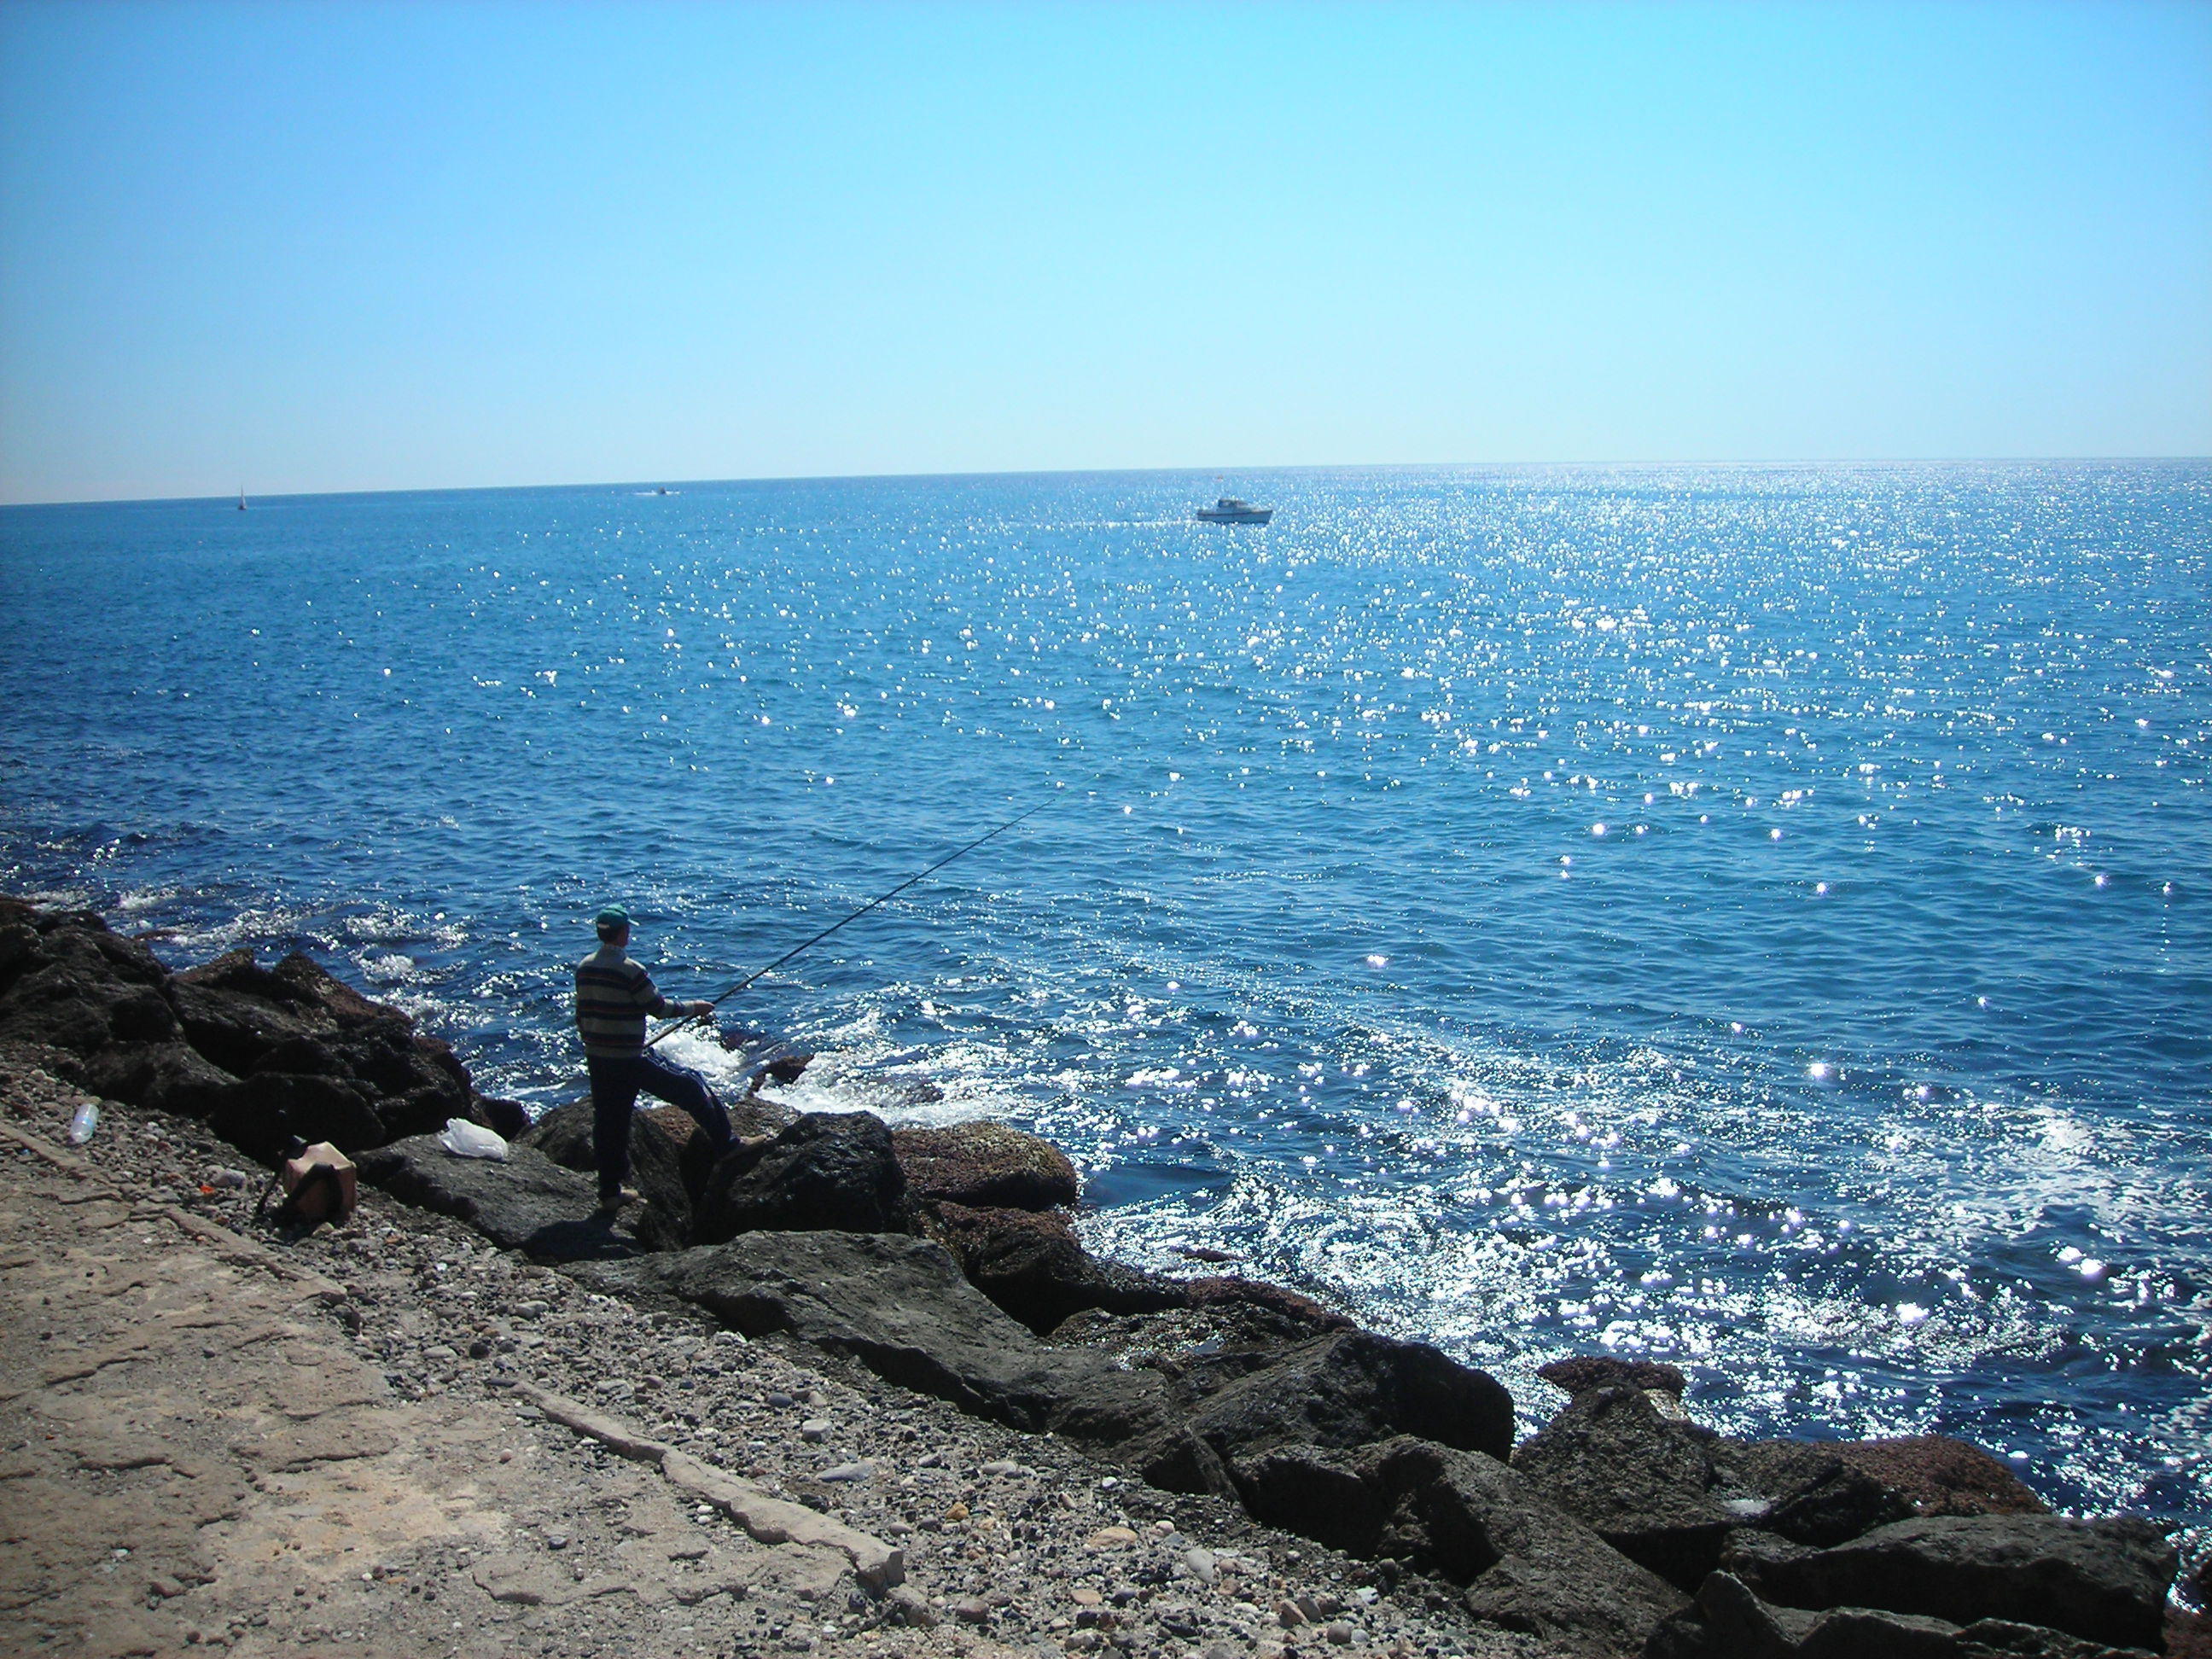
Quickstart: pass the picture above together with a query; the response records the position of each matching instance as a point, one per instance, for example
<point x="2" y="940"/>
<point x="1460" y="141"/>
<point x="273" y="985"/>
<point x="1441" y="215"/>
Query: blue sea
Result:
<point x="1754" y="917"/>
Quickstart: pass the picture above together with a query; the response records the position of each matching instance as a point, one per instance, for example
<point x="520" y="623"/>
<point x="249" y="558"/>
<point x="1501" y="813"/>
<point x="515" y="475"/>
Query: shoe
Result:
<point x="623" y="1200"/>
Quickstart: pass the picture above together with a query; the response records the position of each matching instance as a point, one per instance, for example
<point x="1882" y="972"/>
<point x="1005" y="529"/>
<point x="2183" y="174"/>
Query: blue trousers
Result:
<point x="615" y="1085"/>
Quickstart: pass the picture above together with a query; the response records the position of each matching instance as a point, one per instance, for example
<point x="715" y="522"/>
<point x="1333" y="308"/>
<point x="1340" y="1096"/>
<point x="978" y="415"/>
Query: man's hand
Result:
<point x="698" y="1010"/>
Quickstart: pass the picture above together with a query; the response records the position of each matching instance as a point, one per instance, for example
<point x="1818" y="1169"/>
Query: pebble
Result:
<point x="972" y="1610"/>
<point x="848" y="1472"/>
<point x="782" y="1402"/>
<point x="815" y="1429"/>
<point x="1111" y="1538"/>
<point x="1340" y="1634"/>
<point x="1289" y="1614"/>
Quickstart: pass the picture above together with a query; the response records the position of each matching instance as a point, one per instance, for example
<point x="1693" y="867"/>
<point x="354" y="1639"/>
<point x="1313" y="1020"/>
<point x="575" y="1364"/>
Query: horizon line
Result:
<point x="651" y="484"/>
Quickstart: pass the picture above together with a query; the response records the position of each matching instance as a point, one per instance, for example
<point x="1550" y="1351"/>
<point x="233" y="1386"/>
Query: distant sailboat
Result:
<point x="241" y="498"/>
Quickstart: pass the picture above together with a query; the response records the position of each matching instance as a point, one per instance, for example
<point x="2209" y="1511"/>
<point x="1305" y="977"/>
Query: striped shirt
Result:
<point x="613" y="997"/>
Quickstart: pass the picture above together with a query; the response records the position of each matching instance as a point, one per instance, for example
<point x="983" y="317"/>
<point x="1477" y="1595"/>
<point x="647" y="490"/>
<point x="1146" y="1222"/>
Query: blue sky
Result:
<point x="330" y="246"/>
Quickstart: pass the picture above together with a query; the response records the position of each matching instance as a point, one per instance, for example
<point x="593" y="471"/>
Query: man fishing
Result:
<point x="614" y="995"/>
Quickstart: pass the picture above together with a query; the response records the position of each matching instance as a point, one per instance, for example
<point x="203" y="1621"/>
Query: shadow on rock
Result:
<point x="528" y="1203"/>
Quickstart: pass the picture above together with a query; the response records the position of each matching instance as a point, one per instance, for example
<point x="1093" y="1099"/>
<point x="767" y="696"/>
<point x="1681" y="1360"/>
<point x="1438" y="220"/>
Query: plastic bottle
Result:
<point x="82" y="1125"/>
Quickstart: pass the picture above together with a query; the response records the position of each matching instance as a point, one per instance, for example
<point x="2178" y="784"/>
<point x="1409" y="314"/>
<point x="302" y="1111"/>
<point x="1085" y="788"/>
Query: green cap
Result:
<point x="612" y="917"/>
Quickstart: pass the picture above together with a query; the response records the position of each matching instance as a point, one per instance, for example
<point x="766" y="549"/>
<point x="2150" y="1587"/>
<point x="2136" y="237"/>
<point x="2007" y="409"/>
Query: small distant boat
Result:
<point x="1231" y="510"/>
<point x="241" y="498"/>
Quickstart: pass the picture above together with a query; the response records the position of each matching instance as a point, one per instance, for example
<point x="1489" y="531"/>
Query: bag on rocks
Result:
<point x="466" y="1140"/>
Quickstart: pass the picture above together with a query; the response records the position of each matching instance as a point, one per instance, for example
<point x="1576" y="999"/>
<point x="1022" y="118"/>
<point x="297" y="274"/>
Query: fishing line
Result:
<point x="856" y="914"/>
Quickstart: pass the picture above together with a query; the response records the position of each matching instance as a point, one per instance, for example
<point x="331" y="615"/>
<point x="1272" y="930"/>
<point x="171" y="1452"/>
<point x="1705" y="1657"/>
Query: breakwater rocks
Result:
<point x="940" y="1262"/>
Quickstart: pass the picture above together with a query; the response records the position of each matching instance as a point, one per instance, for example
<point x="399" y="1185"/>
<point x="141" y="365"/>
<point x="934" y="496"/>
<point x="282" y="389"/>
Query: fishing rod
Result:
<point x="879" y="899"/>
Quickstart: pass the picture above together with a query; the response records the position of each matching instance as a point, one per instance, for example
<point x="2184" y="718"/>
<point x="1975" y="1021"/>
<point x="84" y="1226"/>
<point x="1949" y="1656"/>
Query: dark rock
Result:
<point x="19" y="939"/>
<point x="261" y="1113"/>
<point x="656" y="1170"/>
<point x="829" y="1170"/>
<point x="509" y="1119"/>
<point x="785" y="1068"/>
<point x="97" y="1003"/>
<point x="1639" y="1479"/>
<point x="1750" y="1552"/>
<point x="1336" y="1392"/>
<point x="167" y="1077"/>
<point x="901" y="1307"/>
<point x="1587" y="1371"/>
<point x="1739" y="1625"/>
<point x="1859" y="1633"/>
<point x="1999" y="1638"/>
<point x="1824" y="1493"/>
<point x="1354" y="1387"/>
<point x="1284" y="1314"/>
<point x="1841" y="1505"/>
<point x="528" y="1203"/>
<point x="1938" y="1475"/>
<point x="1734" y="1623"/>
<point x="1527" y="1566"/>
<point x="297" y="1021"/>
<point x="751" y="1118"/>
<point x="985" y="1165"/>
<point x="1032" y="1264"/>
<point x="2103" y="1580"/>
<point x="1832" y="1491"/>
<point x="697" y="1151"/>
<point x="1683" y="1636"/>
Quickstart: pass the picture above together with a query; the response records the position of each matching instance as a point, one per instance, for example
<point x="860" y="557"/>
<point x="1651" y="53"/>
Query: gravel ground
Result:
<point x="1012" y="1541"/>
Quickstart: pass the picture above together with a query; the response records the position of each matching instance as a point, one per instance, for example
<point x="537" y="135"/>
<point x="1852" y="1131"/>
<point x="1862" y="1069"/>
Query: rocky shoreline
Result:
<point x="898" y="1334"/>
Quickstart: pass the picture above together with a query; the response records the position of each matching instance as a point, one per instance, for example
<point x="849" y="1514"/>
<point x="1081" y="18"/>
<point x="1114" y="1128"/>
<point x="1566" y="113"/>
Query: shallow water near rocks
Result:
<point x="1751" y="917"/>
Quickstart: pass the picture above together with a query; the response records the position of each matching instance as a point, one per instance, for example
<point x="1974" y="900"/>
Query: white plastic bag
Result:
<point x="466" y="1140"/>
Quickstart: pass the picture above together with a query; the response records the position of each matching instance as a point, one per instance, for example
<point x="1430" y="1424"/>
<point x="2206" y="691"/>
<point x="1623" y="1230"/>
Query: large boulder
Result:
<point x="1731" y="1622"/>
<point x="1334" y="1393"/>
<point x="298" y="1020"/>
<point x="2104" y="1581"/>
<point x="1825" y="1492"/>
<point x="752" y="1117"/>
<point x="1642" y="1480"/>
<point x="527" y="1203"/>
<point x="899" y="1306"/>
<point x="261" y="1115"/>
<point x="656" y="1167"/>
<point x="97" y="1004"/>
<point x="985" y="1165"/>
<point x="1584" y="1372"/>
<point x="1527" y="1565"/>
<point x="829" y="1171"/>
<point x="1031" y="1264"/>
